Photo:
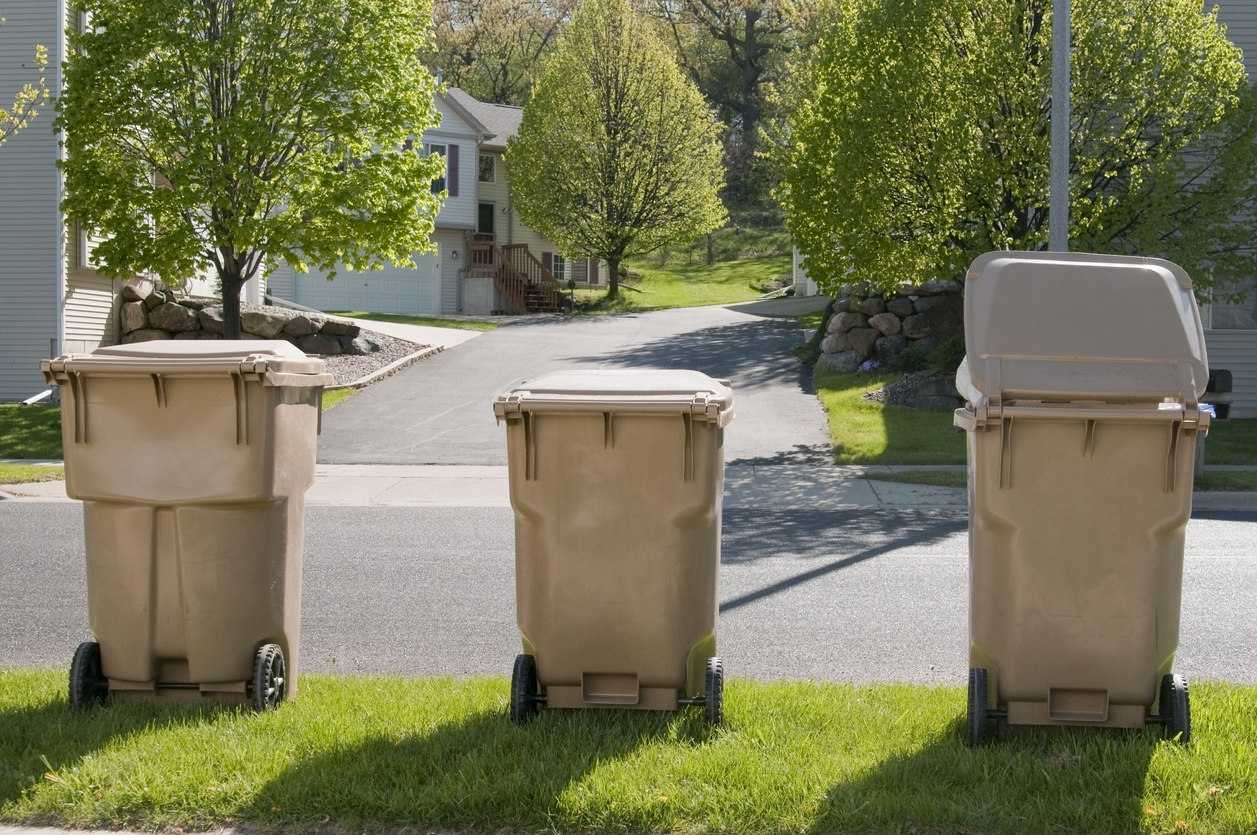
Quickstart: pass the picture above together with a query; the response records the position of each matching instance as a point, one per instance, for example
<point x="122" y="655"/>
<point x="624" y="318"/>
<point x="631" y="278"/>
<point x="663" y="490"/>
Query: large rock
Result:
<point x="841" y="305"/>
<point x="941" y="322"/>
<point x="211" y="319"/>
<point x="863" y="340"/>
<point x="844" y="322"/>
<point x="145" y="335"/>
<point x="887" y="323"/>
<point x="198" y="335"/>
<point x="928" y="303"/>
<point x="845" y="361"/>
<point x="934" y="288"/>
<point x="134" y="316"/>
<point x="927" y="344"/>
<point x="356" y="346"/>
<point x="131" y="294"/>
<point x="192" y="304"/>
<point x="303" y="325"/>
<point x="900" y="306"/>
<point x="872" y="306"/>
<point x="263" y="324"/>
<point x="340" y="327"/>
<point x="319" y="343"/>
<point x="835" y="343"/>
<point x="888" y="346"/>
<point x="158" y="297"/>
<point x="174" y="318"/>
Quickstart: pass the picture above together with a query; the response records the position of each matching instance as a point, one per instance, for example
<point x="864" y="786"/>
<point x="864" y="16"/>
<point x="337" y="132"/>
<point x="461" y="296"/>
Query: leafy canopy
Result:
<point x="617" y="154"/>
<point x="924" y="140"/>
<point x="230" y="133"/>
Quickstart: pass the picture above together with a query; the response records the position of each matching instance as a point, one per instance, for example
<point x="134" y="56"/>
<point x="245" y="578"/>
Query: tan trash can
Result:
<point x="616" y="480"/>
<point x="1083" y="373"/>
<point x="192" y="459"/>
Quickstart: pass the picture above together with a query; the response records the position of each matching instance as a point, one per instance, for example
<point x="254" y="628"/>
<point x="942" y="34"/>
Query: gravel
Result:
<point x="346" y="369"/>
<point x="905" y="387"/>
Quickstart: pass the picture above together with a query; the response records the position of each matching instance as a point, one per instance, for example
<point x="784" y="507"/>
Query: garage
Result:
<point x="389" y="290"/>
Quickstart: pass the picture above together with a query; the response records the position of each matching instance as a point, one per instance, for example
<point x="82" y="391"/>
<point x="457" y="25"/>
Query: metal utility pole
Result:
<point x="1058" y="194"/>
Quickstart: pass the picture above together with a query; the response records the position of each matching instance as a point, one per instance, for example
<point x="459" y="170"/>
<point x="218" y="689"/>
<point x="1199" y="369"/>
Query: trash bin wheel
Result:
<point x="714" y="695"/>
<point x="1176" y="708"/>
<point x="979" y="721"/>
<point x="270" y="684"/>
<point x="524" y="690"/>
<point x="88" y="685"/>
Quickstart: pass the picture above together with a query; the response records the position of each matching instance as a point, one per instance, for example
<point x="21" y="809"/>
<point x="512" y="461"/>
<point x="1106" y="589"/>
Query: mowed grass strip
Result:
<point x="694" y="285"/>
<point x="30" y="473"/>
<point x="1226" y="480"/>
<point x="425" y="321"/>
<point x="1231" y="442"/>
<point x="368" y="753"/>
<point x="865" y="432"/>
<point x="934" y="478"/>
<point x="30" y="431"/>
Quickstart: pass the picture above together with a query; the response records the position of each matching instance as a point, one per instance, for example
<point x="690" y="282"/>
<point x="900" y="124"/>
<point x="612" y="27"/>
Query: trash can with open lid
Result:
<point x="616" y="479"/>
<point x="1082" y="373"/>
<point x="192" y="459"/>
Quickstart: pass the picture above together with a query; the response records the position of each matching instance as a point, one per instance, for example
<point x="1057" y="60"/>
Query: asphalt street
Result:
<point x="834" y="595"/>
<point x="440" y="411"/>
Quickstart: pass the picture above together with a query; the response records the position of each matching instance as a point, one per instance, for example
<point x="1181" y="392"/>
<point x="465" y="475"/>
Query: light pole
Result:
<point x="1058" y="188"/>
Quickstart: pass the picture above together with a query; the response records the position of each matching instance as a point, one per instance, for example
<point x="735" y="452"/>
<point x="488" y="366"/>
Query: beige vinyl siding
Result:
<point x="280" y="283"/>
<point x="451" y="258"/>
<point x="31" y="236"/>
<point x="1236" y="351"/>
<point x="91" y="311"/>
<point x="457" y="212"/>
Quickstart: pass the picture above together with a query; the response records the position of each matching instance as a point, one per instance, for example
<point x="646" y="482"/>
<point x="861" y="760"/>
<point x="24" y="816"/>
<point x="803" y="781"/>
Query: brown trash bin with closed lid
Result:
<point x="616" y="480"/>
<point x="192" y="459"/>
<point x="1083" y="374"/>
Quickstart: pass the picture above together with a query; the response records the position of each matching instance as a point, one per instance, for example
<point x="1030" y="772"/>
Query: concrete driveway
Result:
<point x="440" y="411"/>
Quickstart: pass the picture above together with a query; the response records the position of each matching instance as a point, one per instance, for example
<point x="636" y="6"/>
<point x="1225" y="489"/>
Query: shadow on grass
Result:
<point x="1089" y="780"/>
<point x="30" y="431"/>
<point x="480" y="773"/>
<point x="50" y="737"/>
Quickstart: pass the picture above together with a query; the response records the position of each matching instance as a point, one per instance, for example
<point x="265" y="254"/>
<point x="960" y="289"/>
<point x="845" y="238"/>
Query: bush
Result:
<point x="910" y="359"/>
<point x="946" y="358"/>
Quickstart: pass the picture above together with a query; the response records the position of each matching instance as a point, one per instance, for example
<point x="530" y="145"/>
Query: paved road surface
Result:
<point x="836" y="594"/>
<point x="440" y="411"/>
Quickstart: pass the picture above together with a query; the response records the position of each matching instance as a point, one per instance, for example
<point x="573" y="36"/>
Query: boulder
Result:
<point x="872" y="306"/>
<point x="847" y="321"/>
<point x="356" y="346"/>
<point x="131" y="294"/>
<point x="303" y="325"/>
<point x="192" y="304"/>
<point x="928" y="303"/>
<point x="844" y="361"/>
<point x="934" y="403"/>
<point x="198" y="335"/>
<point x="863" y="340"/>
<point x="941" y="321"/>
<point x="158" y="297"/>
<point x="340" y="327"/>
<point x="145" y="335"/>
<point x="900" y="306"/>
<point x="211" y="319"/>
<point x="264" y="324"/>
<point x="835" y="343"/>
<point x="927" y="344"/>
<point x="173" y="317"/>
<point x="134" y="316"/>
<point x="319" y="343"/>
<point x="841" y="305"/>
<point x="887" y="323"/>
<point x="888" y="346"/>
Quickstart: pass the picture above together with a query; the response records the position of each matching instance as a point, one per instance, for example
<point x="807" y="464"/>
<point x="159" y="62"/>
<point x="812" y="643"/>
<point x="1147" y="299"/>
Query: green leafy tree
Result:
<point x="617" y="154"/>
<point x="27" y="100"/>
<point x="226" y="134"/>
<point x="925" y="137"/>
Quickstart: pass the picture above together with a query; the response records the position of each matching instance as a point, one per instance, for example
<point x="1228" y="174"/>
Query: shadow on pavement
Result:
<point x="483" y="772"/>
<point x="1091" y="780"/>
<point x="814" y="454"/>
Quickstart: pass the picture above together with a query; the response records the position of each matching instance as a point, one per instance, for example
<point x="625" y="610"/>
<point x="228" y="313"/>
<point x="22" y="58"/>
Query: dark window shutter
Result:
<point x="593" y="270"/>
<point x="547" y="261"/>
<point x="451" y="162"/>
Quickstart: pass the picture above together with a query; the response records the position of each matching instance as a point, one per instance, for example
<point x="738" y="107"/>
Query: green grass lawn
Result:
<point x="334" y="396"/>
<point x="426" y="321"/>
<point x="874" y="433"/>
<point x="384" y="753"/>
<point x="686" y="285"/>
<point x="30" y="431"/>
<point x="1224" y="480"/>
<point x="29" y="473"/>
<point x="1231" y="442"/>
<point x="933" y="478"/>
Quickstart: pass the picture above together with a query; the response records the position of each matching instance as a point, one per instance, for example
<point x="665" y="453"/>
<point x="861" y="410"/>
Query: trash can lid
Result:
<point x="647" y="390"/>
<point x="282" y="362"/>
<point x="1076" y="326"/>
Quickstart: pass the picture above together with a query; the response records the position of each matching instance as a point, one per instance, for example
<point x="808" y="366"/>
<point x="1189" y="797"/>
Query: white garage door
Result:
<point x="390" y="290"/>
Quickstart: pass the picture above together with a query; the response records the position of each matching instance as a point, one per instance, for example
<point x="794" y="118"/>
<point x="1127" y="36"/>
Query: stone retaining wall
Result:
<point x="159" y="315"/>
<point x="877" y="327"/>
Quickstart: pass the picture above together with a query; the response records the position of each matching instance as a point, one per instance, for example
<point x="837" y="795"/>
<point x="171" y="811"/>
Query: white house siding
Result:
<point x="91" y="311"/>
<point x="31" y="235"/>
<point x="458" y="211"/>
<point x="389" y="290"/>
<point x="280" y="282"/>
<point x="1240" y="19"/>
<point x="452" y="257"/>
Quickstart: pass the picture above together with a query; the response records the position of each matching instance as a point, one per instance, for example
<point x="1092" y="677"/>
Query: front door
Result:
<point x="484" y="221"/>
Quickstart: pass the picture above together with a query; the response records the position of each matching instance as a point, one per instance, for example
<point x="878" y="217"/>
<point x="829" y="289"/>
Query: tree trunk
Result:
<point x="613" y="280"/>
<point x="231" y="305"/>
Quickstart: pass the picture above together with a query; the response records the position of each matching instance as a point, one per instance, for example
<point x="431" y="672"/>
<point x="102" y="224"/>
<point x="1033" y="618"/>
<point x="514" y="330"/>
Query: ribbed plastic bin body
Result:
<point x="616" y="479"/>
<point x="192" y="460"/>
<point x="1083" y="373"/>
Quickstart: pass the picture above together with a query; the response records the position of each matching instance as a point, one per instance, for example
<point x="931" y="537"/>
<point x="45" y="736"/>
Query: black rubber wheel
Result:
<point x="1176" y="708"/>
<point x="524" y="690"/>
<point x="270" y="684"/>
<point x="714" y="692"/>
<point x="979" y="722"/>
<point x="88" y="685"/>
